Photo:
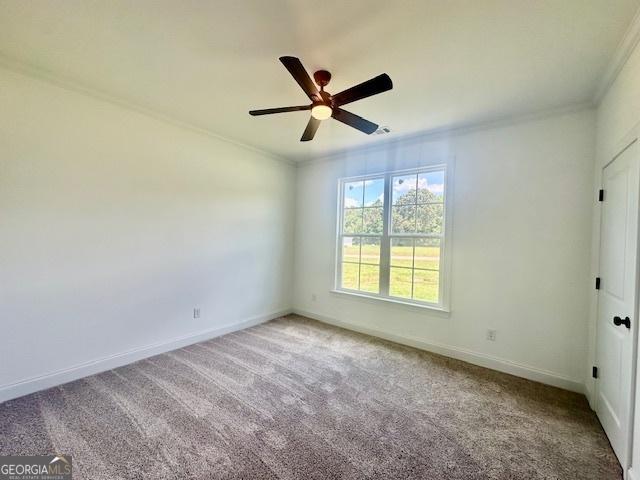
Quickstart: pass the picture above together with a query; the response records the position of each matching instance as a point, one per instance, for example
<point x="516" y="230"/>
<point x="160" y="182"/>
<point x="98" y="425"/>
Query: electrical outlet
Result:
<point x="313" y="297"/>
<point x="491" y="335"/>
<point x="196" y="313"/>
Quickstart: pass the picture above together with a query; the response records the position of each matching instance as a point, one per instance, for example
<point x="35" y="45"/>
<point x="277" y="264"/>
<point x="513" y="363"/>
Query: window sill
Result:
<point x="392" y="301"/>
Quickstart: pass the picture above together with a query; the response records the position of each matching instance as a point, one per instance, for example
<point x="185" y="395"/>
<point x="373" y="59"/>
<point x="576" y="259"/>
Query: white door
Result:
<point x="617" y="321"/>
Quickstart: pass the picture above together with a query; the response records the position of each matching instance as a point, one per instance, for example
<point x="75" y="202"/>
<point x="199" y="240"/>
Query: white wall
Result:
<point x="114" y="225"/>
<point x="521" y="246"/>
<point x="618" y="114"/>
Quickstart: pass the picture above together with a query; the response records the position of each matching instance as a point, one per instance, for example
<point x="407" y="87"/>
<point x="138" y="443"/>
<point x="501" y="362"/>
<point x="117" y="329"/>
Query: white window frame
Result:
<point x="386" y="236"/>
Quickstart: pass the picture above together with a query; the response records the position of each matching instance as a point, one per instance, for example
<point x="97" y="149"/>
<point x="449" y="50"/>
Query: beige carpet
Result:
<point x="296" y="399"/>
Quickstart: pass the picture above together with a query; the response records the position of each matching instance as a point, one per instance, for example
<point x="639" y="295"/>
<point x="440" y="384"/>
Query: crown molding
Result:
<point x="45" y="75"/>
<point x="452" y="131"/>
<point x="623" y="52"/>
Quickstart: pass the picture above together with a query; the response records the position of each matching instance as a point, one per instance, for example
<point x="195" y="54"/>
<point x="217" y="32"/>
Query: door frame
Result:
<point x="633" y="136"/>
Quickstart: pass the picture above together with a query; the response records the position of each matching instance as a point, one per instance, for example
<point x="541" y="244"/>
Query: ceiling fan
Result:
<point x="324" y="105"/>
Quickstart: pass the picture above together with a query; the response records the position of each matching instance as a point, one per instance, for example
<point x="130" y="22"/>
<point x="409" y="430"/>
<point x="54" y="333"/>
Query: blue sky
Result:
<point x="370" y="190"/>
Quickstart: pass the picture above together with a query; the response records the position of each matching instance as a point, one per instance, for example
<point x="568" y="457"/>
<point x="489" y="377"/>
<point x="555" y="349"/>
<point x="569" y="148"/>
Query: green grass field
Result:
<point x="425" y="276"/>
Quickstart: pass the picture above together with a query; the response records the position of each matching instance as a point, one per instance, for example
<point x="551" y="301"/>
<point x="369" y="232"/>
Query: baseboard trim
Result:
<point x="476" y="358"/>
<point x="35" y="384"/>
<point x="589" y="392"/>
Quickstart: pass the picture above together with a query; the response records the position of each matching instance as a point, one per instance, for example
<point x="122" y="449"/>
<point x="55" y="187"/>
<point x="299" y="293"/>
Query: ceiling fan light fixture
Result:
<point x="321" y="112"/>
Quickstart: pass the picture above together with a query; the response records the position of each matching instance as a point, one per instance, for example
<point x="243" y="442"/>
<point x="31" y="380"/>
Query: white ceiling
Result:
<point x="207" y="63"/>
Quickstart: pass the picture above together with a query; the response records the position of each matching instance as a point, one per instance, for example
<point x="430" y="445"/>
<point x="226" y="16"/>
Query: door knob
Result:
<point x="617" y="321"/>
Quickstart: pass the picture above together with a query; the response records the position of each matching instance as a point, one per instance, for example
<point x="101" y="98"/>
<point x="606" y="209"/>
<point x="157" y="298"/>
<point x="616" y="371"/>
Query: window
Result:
<point x="391" y="236"/>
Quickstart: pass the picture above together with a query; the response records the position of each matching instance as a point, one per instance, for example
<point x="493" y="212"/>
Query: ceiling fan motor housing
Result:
<point x="325" y="99"/>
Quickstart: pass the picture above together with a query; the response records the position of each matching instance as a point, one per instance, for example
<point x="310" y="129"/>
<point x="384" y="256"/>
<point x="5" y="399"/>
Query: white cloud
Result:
<point x="436" y="187"/>
<point x="351" y="202"/>
<point x="405" y="186"/>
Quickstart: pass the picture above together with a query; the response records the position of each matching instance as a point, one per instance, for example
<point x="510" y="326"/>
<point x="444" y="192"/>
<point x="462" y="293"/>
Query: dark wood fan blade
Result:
<point x="311" y="129"/>
<point x="376" y="85"/>
<point x="268" y="111"/>
<point x="301" y="76"/>
<point x="354" y="121"/>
